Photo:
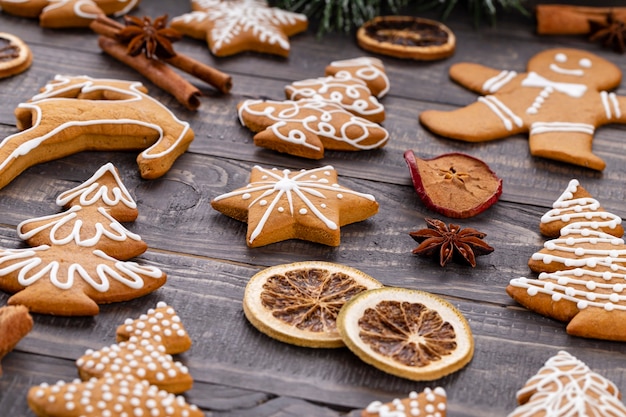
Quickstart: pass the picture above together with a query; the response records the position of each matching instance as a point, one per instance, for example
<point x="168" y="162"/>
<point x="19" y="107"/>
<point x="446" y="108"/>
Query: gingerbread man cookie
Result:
<point x="67" y="13"/>
<point x="565" y="386"/>
<point x="80" y="257"/>
<point x="74" y="114"/>
<point x="235" y="26"/>
<point x="559" y="101"/>
<point x="307" y="204"/>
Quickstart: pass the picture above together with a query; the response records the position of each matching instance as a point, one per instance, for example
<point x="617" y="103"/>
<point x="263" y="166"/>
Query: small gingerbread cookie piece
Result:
<point x="15" y="55"/>
<point x="74" y="114"/>
<point x="576" y="205"/>
<point x="235" y="26"/>
<point x="307" y="204"/>
<point x="565" y="386"/>
<point x="138" y="357"/>
<point x="115" y="395"/>
<point x="160" y="325"/>
<point x="430" y="402"/>
<point x="307" y="127"/>
<point x="15" y="323"/>
<point x="348" y="92"/>
<point x="560" y="101"/>
<point x="69" y="14"/>
<point x="370" y="70"/>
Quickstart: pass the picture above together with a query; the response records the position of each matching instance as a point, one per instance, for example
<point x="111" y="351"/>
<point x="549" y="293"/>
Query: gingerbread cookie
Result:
<point x="67" y="13"/>
<point x="559" y="101"/>
<point x="344" y="90"/>
<point x="565" y="386"/>
<point x="160" y="325"/>
<point x="15" y="323"/>
<point x="115" y="395"/>
<point x="370" y="70"/>
<point x="576" y="205"/>
<point x="235" y="26"/>
<point x="307" y="204"/>
<point x="582" y="272"/>
<point x="74" y="114"/>
<point x="430" y="402"/>
<point x="308" y="127"/>
<point x="15" y="55"/>
<point x="141" y="358"/>
<point x="587" y="234"/>
<point x="79" y="261"/>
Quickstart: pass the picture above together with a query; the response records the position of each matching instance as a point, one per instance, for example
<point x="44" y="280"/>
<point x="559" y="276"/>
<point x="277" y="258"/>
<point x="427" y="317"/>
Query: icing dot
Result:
<point x="532" y="291"/>
<point x="609" y="306"/>
<point x="614" y="298"/>
<point x="618" y="288"/>
<point x="280" y="209"/>
<point x="590" y="285"/>
<point x="263" y="202"/>
<point x="339" y="196"/>
<point x="303" y="211"/>
<point x="582" y="304"/>
<point x="585" y="63"/>
<point x="556" y="297"/>
<point x="323" y="205"/>
<point x="560" y="57"/>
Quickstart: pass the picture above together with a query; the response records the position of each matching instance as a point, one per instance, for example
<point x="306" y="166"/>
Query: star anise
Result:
<point x="154" y="39"/>
<point x="450" y="242"/>
<point x="611" y="34"/>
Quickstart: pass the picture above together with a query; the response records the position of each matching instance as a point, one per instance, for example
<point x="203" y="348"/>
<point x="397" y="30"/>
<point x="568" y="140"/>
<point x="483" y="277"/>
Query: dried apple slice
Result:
<point x="298" y="303"/>
<point x="408" y="333"/>
<point x="454" y="184"/>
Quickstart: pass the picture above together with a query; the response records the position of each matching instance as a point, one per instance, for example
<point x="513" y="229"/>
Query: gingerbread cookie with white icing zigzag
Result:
<point x="559" y="101"/>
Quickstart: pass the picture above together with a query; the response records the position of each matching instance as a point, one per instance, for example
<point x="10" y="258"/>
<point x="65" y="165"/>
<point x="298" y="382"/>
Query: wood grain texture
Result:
<point x="239" y="371"/>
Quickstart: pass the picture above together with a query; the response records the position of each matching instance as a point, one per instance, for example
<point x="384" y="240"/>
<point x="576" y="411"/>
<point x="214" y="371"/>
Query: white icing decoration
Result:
<point x="611" y="105"/>
<point x="435" y="400"/>
<point x="284" y="184"/>
<point x="571" y="89"/>
<point x="538" y="128"/>
<point x="502" y="111"/>
<point x="77" y="9"/>
<point x="319" y="123"/>
<point x="342" y="89"/>
<point x="49" y="100"/>
<point x="495" y="83"/>
<point x="26" y="260"/>
<point x="560" y="57"/>
<point x="577" y="72"/>
<point x="370" y="70"/>
<point x="565" y="386"/>
<point x="585" y="62"/>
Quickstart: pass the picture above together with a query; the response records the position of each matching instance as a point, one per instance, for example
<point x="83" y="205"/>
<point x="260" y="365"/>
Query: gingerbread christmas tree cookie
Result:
<point x="560" y="101"/>
<point x="307" y="204"/>
<point x="231" y="27"/>
<point x="565" y="386"/>
<point x="79" y="258"/>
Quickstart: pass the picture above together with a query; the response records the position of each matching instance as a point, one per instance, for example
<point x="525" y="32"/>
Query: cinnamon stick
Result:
<point x="561" y="19"/>
<point x="156" y="71"/>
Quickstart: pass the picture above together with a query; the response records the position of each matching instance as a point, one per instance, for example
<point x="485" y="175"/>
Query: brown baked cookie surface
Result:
<point x="560" y="101"/>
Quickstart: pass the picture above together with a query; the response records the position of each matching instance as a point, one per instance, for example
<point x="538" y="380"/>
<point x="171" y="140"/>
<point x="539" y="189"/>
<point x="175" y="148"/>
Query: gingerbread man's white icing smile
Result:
<point x="559" y="101"/>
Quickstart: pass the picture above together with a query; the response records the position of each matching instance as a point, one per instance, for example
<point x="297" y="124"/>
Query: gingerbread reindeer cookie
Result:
<point x="559" y="101"/>
<point x="74" y="114"/>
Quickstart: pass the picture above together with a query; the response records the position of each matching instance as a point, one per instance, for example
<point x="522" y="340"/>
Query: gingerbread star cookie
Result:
<point x="560" y="101"/>
<point x="565" y="386"/>
<point x="15" y="323"/>
<point x="79" y="258"/>
<point x="430" y="402"/>
<point x="307" y="127"/>
<point x="115" y="395"/>
<point x="15" y="55"/>
<point x="582" y="272"/>
<point x="307" y="204"/>
<point x="235" y="26"/>
<point x="74" y="114"/>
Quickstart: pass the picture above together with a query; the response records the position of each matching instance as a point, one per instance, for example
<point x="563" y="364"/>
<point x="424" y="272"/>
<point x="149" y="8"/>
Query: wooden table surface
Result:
<point x="237" y="370"/>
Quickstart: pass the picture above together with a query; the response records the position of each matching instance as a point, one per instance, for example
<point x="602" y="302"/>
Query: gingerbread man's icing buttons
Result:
<point x="559" y="102"/>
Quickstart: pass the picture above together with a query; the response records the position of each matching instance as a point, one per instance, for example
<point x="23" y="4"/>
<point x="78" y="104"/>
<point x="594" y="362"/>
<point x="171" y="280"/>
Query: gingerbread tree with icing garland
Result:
<point x="79" y="258"/>
<point x="582" y="273"/>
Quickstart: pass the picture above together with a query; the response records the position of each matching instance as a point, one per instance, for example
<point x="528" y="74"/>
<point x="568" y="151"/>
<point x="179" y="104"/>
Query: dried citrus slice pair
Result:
<point x="408" y="333"/>
<point x="298" y="303"/>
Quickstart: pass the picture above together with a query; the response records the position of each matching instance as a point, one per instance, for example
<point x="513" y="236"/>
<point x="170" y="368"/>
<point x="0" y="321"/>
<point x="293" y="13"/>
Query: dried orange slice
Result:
<point x="15" y="55"/>
<point x="407" y="37"/>
<point x="407" y="333"/>
<point x="298" y="303"/>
